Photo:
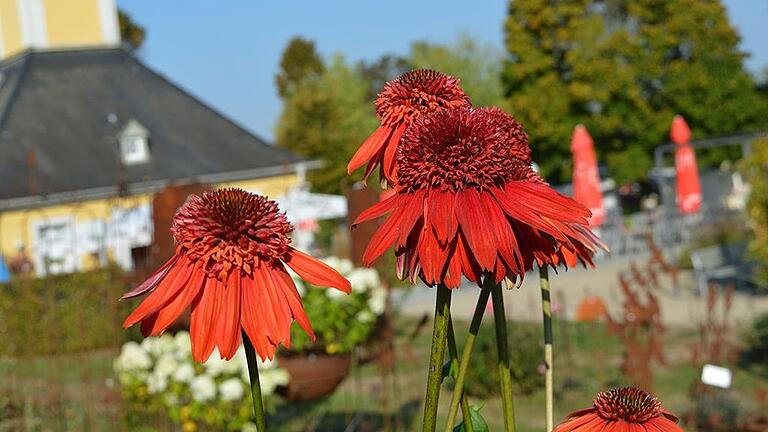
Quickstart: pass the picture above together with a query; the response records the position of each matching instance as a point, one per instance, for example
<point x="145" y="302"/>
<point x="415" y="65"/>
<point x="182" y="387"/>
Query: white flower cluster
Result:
<point x="164" y="366"/>
<point x="363" y="280"/>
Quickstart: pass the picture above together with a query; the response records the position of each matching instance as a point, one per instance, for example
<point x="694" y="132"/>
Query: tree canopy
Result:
<point x="624" y="68"/>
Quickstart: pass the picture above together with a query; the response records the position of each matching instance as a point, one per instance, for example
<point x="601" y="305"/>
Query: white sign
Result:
<point x="716" y="376"/>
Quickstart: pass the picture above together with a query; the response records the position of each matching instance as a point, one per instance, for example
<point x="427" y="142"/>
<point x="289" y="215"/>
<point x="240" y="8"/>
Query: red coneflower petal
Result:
<point x="173" y="281"/>
<point x="315" y="271"/>
<point x="228" y="322"/>
<point x="203" y="320"/>
<point x="548" y="202"/>
<point x="253" y="315"/>
<point x="388" y="162"/>
<point x="386" y="235"/>
<point x="273" y="313"/>
<point x="413" y="211"/>
<point x="168" y="313"/>
<point x="379" y="209"/>
<point x="153" y="280"/>
<point x="278" y="298"/>
<point x="372" y="145"/>
<point x="469" y="211"/>
<point x="442" y="215"/>
<point x="288" y="288"/>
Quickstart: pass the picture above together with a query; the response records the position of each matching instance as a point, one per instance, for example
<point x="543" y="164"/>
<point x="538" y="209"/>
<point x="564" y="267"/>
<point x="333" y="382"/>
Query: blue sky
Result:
<point x="228" y="56"/>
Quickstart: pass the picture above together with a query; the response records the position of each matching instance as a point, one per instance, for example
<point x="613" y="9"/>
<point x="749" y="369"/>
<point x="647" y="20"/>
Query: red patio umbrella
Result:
<point x="688" y="186"/>
<point x="586" y="180"/>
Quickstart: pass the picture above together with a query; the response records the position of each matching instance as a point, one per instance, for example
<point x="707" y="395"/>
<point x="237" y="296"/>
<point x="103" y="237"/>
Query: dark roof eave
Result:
<point x="37" y="201"/>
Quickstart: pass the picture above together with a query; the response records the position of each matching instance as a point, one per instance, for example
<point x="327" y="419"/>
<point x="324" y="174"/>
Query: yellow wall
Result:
<point x="11" y="28"/>
<point x="16" y="226"/>
<point x="73" y="22"/>
<point x="56" y="24"/>
<point x="271" y="187"/>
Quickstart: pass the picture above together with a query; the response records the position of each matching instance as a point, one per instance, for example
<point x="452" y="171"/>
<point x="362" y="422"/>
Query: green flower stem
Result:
<point x="439" y="336"/>
<point x="546" y="306"/>
<point x="469" y="345"/>
<point x="454" y="353"/>
<point x="253" y="373"/>
<point x="500" y="320"/>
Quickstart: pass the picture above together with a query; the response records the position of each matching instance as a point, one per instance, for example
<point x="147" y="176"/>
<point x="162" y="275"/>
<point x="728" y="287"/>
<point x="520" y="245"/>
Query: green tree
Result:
<point x="299" y="61"/>
<point x="624" y="68"/>
<point x="326" y="117"/>
<point x="755" y="168"/>
<point x="131" y="33"/>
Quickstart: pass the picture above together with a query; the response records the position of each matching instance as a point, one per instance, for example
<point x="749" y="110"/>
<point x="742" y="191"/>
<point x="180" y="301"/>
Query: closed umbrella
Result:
<point x="586" y="179"/>
<point x="687" y="173"/>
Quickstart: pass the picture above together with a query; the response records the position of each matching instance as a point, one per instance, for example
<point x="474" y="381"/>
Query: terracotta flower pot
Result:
<point x="313" y="376"/>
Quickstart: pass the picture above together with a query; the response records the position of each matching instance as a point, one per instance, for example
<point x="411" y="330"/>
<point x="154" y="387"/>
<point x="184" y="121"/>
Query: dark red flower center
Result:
<point x="418" y="92"/>
<point x="463" y="148"/>
<point x="629" y="404"/>
<point x="231" y="228"/>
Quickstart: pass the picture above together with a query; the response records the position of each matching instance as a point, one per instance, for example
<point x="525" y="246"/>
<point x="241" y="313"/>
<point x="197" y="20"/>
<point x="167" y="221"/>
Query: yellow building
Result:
<point x="43" y="24"/>
<point x="88" y="134"/>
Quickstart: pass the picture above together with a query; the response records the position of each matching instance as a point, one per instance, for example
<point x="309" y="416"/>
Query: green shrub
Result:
<point x="755" y="168"/>
<point x="757" y="341"/>
<point x="62" y="314"/>
<point x="526" y="354"/>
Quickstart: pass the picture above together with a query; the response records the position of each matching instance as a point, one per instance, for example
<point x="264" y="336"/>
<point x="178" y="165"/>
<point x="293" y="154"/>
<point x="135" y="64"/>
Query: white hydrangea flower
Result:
<point x="156" y="383"/>
<point x="184" y="374"/>
<point x="250" y="427"/>
<point x="215" y="366"/>
<point x="203" y="388"/>
<point x="158" y="345"/>
<point x="345" y="266"/>
<point x="364" y="279"/>
<point x="132" y="357"/>
<point x="335" y="294"/>
<point x="166" y="365"/>
<point x="341" y="265"/>
<point x="182" y="345"/>
<point x="365" y="316"/>
<point x="231" y="389"/>
<point x="378" y="301"/>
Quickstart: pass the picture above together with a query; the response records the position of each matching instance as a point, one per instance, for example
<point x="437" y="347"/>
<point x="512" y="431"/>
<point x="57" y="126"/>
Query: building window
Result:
<point x="134" y="143"/>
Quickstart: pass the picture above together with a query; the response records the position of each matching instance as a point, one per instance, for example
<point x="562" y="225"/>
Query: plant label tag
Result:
<point x="716" y="376"/>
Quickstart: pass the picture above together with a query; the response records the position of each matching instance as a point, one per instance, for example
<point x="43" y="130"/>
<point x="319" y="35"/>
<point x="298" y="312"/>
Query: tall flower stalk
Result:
<point x="546" y="307"/>
<point x="469" y="345"/>
<point x="439" y="336"/>
<point x="500" y="319"/>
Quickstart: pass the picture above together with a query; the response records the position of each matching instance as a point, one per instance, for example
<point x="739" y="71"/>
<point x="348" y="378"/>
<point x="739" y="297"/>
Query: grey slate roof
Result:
<point x="57" y="103"/>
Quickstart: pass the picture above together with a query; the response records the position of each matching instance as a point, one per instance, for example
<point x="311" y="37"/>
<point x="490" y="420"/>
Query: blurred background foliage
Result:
<point x="623" y="68"/>
<point x="755" y="168"/>
<point x="62" y="314"/>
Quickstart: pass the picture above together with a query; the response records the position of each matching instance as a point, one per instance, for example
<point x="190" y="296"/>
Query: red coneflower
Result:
<point x="468" y="202"/>
<point x="229" y="267"/>
<point x="401" y="101"/>
<point x="624" y="409"/>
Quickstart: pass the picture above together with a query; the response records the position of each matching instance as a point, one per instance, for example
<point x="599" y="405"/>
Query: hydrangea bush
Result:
<point x="340" y="321"/>
<point x="159" y="376"/>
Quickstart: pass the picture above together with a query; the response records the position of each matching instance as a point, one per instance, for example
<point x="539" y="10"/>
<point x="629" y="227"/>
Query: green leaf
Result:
<point x="478" y="422"/>
<point x="449" y="370"/>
